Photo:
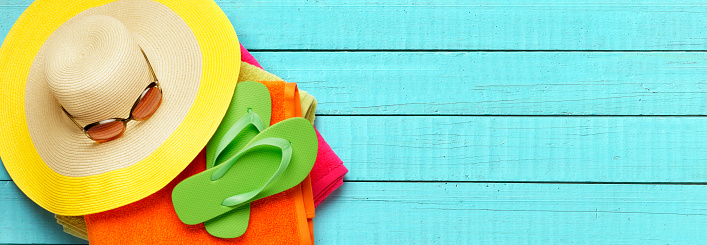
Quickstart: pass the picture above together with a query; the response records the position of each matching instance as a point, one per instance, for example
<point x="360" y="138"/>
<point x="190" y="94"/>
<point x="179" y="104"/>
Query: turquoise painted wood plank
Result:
<point x="455" y="25"/>
<point x="470" y="25"/>
<point x="3" y="173"/>
<point x="460" y="213"/>
<point x="571" y="149"/>
<point x="498" y="83"/>
<point x="453" y="213"/>
<point x="552" y="149"/>
<point x="23" y="222"/>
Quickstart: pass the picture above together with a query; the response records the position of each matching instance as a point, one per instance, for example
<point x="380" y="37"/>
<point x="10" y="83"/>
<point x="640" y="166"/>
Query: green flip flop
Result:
<point x="275" y="160"/>
<point x="248" y="114"/>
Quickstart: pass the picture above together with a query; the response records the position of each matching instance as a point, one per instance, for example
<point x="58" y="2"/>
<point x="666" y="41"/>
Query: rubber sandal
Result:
<point x="251" y="109"/>
<point x="228" y="186"/>
<point x="234" y="223"/>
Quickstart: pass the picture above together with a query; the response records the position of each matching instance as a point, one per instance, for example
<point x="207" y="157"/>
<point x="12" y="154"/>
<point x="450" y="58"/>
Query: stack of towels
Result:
<point x="284" y="218"/>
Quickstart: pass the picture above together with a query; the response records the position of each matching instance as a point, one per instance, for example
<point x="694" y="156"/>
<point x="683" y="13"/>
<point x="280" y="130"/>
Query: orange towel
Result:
<point x="152" y="220"/>
<point x="286" y="96"/>
<point x="303" y="192"/>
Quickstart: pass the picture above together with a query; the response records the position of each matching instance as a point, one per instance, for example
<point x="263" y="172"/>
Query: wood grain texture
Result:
<point x="534" y="149"/>
<point x="470" y="25"/>
<point x="498" y="83"/>
<point x="457" y="24"/>
<point x="466" y="213"/>
<point x="23" y="222"/>
<point x="545" y="149"/>
<point x="483" y="122"/>
<point x="3" y="173"/>
<point x="463" y="213"/>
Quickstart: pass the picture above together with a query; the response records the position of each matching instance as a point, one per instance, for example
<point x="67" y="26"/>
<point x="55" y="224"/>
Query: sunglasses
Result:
<point x="113" y="128"/>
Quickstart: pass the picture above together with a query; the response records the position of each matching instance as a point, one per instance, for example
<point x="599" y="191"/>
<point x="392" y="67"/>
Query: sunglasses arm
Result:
<point x="72" y="118"/>
<point x="152" y="72"/>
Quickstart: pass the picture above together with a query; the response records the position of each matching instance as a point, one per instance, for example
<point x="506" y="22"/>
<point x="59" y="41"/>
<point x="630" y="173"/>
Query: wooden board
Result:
<point x="533" y="149"/>
<point x="24" y="222"/>
<point x="483" y="122"/>
<point x="470" y="25"/>
<point x="513" y="149"/>
<point x="498" y="83"/>
<point x="457" y="25"/>
<point x="467" y="213"/>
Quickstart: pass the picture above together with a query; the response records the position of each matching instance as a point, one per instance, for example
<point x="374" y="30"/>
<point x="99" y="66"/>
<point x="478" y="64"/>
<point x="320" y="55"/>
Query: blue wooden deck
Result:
<point x="506" y="122"/>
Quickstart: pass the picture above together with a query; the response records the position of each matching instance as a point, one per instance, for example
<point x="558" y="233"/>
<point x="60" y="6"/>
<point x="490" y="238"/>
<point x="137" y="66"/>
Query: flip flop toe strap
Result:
<point x="251" y="118"/>
<point x="282" y="144"/>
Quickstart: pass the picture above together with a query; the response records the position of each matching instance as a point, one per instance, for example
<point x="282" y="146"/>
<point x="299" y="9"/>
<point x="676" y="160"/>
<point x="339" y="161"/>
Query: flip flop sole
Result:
<point x="248" y="95"/>
<point x="198" y="199"/>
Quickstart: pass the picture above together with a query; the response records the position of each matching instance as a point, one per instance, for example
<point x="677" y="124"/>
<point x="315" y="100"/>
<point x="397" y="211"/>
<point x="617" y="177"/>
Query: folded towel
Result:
<point x="248" y="58"/>
<point x="328" y="171"/>
<point x="279" y="219"/>
<point x="326" y="176"/>
<point x="286" y="104"/>
<point x="303" y="192"/>
<point x="252" y="73"/>
<point x="74" y="225"/>
<point x="74" y="232"/>
<point x="152" y="220"/>
<point x="308" y="102"/>
<point x="309" y="105"/>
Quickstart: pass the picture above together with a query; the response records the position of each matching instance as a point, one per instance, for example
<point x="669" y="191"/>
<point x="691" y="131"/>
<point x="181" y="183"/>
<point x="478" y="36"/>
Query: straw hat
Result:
<point x="87" y="56"/>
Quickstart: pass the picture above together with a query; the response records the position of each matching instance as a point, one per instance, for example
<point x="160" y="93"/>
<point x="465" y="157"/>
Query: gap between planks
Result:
<point x="515" y="182"/>
<point x="493" y="115"/>
<point x="479" y="50"/>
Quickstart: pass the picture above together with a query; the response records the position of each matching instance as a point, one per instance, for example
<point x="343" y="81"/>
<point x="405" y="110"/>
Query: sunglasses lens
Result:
<point x="106" y="131"/>
<point x="148" y="104"/>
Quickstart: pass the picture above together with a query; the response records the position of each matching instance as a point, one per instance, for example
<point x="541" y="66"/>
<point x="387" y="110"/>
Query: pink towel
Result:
<point x="248" y="58"/>
<point x="328" y="171"/>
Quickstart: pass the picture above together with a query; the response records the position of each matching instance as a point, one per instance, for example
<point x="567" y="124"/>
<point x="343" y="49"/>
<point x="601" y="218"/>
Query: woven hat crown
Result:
<point x="95" y="69"/>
